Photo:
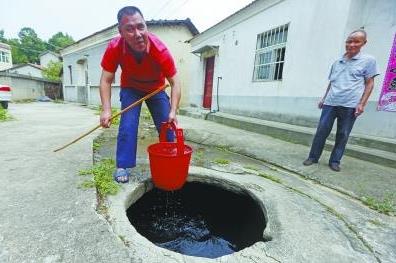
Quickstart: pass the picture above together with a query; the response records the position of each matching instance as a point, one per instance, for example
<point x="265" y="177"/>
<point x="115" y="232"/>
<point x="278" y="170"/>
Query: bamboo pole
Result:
<point x="115" y="116"/>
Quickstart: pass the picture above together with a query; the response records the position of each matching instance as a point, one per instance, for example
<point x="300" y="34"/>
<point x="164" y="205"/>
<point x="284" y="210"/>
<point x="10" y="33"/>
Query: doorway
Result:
<point x="208" y="86"/>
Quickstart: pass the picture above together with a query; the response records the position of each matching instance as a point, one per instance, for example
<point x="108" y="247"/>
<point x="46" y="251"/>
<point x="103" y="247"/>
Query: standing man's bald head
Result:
<point x="359" y="32"/>
<point x="354" y="42"/>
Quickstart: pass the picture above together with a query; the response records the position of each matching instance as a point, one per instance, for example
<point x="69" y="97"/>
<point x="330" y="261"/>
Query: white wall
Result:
<point x="92" y="50"/>
<point x="316" y="36"/>
<point x="23" y="87"/>
<point x="28" y="70"/>
<point x="6" y="49"/>
<point x="305" y="48"/>
<point x="47" y="57"/>
<point x="175" y="38"/>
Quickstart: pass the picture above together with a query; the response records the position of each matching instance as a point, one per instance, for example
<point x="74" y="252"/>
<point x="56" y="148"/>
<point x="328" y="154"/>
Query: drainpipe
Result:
<point x="217" y="99"/>
<point x="217" y="92"/>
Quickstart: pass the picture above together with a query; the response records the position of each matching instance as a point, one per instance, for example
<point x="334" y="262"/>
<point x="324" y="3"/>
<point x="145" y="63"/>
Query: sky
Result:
<point x="80" y="18"/>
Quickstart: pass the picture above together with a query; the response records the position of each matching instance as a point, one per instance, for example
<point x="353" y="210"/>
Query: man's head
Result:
<point x="355" y="41"/>
<point x="132" y="28"/>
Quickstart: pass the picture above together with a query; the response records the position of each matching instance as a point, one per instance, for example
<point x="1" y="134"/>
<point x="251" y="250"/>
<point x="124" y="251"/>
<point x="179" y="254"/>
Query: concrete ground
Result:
<point x="45" y="217"/>
<point x="359" y="179"/>
<point x="308" y="220"/>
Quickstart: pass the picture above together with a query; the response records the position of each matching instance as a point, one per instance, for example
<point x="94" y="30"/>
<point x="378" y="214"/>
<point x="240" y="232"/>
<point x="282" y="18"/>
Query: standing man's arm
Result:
<point x="368" y="88"/>
<point x="320" y="104"/>
<point x="105" y="96"/>
<point x="175" y="96"/>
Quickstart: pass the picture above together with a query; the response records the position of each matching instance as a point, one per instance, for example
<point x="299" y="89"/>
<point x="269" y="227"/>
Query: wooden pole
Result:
<point x="115" y="116"/>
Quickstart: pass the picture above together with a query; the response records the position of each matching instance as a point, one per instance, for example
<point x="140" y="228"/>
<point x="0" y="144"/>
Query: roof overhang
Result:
<point x="206" y="48"/>
<point x="82" y="60"/>
<point x="206" y="51"/>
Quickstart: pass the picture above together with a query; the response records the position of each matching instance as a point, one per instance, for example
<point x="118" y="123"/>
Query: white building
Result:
<point x="47" y="57"/>
<point x="5" y="57"/>
<point x="81" y="60"/>
<point x="272" y="58"/>
<point x="27" y="69"/>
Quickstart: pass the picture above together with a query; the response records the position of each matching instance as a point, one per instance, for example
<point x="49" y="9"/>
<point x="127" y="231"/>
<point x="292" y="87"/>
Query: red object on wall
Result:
<point x="209" y="70"/>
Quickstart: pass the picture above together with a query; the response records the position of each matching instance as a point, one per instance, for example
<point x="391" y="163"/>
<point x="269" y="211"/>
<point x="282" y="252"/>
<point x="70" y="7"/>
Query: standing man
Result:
<point x="351" y="81"/>
<point x="145" y="62"/>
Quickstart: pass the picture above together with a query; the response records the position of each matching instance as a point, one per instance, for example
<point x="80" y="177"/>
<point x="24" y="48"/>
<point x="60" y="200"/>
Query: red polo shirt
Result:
<point x="147" y="74"/>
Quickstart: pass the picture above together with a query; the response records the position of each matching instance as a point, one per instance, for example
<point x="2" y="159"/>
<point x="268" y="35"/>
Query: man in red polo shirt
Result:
<point x="145" y="63"/>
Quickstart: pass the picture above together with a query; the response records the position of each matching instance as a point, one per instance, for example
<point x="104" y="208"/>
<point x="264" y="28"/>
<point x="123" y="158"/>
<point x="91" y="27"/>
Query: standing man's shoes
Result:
<point x="335" y="167"/>
<point x="309" y="162"/>
<point x="121" y="175"/>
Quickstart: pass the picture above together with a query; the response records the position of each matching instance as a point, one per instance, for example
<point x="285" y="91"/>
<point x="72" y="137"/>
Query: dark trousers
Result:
<point x="159" y="107"/>
<point x="345" y="119"/>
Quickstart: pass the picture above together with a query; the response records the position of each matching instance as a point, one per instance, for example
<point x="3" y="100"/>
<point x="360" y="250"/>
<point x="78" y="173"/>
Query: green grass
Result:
<point x="251" y="168"/>
<point x="4" y="115"/>
<point x="102" y="178"/>
<point x="97" y="143"/>
<point x="385" y="205"/>
<point x="145" y="114"/>
<point x="198" y="157"/>
<point x="222" y="161"/>
<point x="224" y="148"/>
<point x="270" y="177"/>
<point x="58" y="101"/>
<point x="96" y="146"/>
<point x="376" y="222"/>
<point x="24" y="101"/>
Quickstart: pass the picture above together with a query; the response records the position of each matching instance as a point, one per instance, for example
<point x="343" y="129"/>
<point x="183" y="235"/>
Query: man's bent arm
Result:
<point x="105" y="96"/>
<point x="175" y="96"/>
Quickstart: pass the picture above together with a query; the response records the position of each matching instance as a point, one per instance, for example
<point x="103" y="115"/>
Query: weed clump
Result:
<point x="102" y="178"/>
<point x="4" y="115"/>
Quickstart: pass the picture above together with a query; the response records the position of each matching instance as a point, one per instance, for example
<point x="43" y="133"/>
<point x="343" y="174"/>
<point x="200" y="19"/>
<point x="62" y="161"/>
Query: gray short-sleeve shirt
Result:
<point x="347" y="79"/>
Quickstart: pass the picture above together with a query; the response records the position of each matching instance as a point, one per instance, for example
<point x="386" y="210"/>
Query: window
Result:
<point x="4" y="57"/>
<point x="270" y="54"/>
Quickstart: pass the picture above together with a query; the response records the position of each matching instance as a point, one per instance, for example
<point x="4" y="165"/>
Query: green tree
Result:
<point x="17" y="52"/>
<point x="28" y="46"/>
<point x="52" y="71"/>
<point x="2" y="39"/>
<point x="59" y="40"/>
<point x="31" y="44"/>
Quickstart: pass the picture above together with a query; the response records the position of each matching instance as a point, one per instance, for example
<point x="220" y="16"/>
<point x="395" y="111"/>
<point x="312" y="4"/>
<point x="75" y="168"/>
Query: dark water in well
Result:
<point x="198" y="220"/>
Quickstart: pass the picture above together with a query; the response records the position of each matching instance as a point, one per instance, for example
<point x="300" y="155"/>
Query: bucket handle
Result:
<point x="178" y="132"/>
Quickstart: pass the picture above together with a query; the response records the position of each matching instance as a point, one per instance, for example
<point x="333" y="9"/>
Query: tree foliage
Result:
<point x="28" y="46"/>
<point x="59" y="40"/>
<point x="31" y="44"/>
<point x="52" y="71"/>
<point x="2" y="39"/>
<point x="18" y="56"/>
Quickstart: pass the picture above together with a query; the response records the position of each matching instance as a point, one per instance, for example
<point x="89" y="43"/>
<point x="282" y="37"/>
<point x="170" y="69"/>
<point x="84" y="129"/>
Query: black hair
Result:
<point x="128" y="10"/>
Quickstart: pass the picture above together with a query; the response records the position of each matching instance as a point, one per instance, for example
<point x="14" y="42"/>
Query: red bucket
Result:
<point x="169" y="161"/>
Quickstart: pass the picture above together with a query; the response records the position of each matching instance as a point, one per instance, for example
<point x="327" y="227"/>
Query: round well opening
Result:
<point x="199" y="220"/>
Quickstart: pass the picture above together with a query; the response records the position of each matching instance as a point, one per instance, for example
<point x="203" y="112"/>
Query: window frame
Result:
<point x="3" y="57"/>
<point x="273" y="42"/>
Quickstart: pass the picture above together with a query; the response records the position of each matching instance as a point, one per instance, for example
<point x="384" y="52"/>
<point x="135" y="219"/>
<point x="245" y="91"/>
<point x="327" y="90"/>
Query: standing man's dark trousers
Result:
<point x="345" y="119"/>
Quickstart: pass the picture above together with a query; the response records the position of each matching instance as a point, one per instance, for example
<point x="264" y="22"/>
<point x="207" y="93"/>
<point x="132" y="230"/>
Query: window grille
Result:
<point x="270" y="54"/>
